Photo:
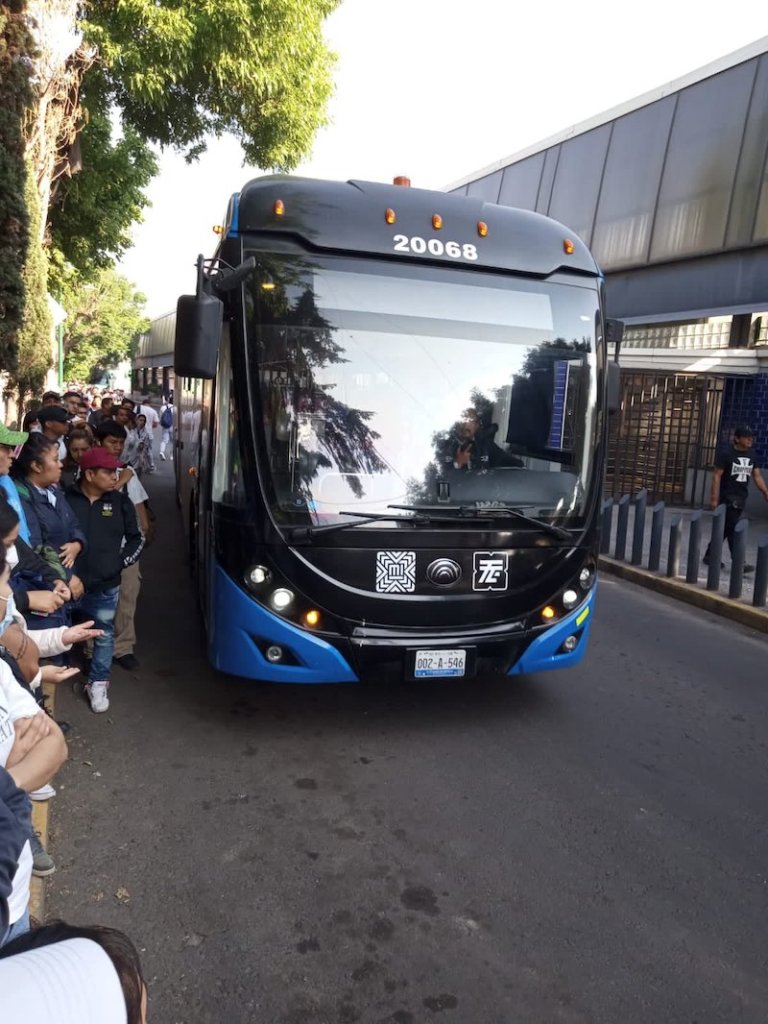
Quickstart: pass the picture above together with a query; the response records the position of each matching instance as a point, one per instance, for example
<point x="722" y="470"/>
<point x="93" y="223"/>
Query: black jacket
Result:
<point x="113" y="537"/>
<point x="32" y="573"/>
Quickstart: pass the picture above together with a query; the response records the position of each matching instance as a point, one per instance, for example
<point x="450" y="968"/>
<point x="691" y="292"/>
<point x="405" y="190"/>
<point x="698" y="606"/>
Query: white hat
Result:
<point x="69" y="982"/>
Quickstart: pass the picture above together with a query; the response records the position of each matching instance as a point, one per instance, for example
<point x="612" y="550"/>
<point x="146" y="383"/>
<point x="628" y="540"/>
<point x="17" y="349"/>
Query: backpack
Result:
<point x="166" y="418"/>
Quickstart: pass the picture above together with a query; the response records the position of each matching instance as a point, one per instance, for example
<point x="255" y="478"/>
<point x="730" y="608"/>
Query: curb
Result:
<point x="40" y="824"/>
<point x="747" y="615"/>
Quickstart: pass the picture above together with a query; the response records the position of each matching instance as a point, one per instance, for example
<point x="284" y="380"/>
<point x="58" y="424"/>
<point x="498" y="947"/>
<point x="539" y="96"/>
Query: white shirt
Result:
<point x="153" y="419"/>
<point x="15" y="703"/>
<point x="135" y="490"/>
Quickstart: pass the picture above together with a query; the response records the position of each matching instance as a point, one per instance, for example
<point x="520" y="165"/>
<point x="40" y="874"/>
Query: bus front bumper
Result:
<point x="241" y="632"/>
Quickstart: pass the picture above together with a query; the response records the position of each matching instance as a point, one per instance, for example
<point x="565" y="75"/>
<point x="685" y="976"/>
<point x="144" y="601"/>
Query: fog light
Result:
<point x="548" y="612"/>
<point x="259" y="574"/>
<point x="312" y="617"/>
<point x="570" y="599"/>
<point x="570" y="644"/>
<point x="274" y="653"/>
<point x="281" y="598"/>
<point x="585" y="578"/>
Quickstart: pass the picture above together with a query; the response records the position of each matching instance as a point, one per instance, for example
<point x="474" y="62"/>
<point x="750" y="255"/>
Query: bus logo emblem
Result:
<point x="490" y="570"/>
<point x="395" y="572"/>
<point x="443" y="572"/>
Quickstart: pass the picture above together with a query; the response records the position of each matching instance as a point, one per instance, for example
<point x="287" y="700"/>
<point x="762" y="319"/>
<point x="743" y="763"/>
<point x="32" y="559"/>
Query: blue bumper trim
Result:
<point x="237" y="621"/>
<point x="541" y="655"/>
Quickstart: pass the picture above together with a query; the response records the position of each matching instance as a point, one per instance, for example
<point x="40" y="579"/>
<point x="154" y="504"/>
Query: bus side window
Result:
<point x="227" y="484"/>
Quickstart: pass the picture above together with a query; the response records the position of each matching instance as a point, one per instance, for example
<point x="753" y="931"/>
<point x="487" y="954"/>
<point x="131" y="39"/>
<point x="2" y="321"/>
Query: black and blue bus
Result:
<point x="391" y="427"/>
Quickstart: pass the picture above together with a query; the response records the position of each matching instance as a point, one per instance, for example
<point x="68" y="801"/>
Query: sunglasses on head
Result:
<point x="13" y="450"/>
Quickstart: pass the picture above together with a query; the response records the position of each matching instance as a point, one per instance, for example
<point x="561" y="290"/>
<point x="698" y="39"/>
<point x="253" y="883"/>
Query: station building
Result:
<point x="670" y="191"/>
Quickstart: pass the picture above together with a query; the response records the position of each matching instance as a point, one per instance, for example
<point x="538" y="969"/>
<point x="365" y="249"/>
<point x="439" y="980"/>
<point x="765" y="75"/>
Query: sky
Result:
<point x="437" y="89"/>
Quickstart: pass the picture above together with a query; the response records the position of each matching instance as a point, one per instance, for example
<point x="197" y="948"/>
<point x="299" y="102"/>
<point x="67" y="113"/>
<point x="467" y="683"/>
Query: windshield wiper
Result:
<point x="468" y="512"/>
<point x="360" y="519"/>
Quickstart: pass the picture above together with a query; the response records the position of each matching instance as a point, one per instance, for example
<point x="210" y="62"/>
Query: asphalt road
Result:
<point x="583" y="846"/>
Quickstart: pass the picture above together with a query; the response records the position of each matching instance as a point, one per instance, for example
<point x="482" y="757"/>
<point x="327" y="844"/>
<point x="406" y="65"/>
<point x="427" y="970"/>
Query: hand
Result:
<point x="83" y="631"/>
<point x="77" y="588"/>
<point x="69" y="552"/>
<point x="45" y="601"/>
<point x="57" y="673"/>
<point x="27" y="734"/>
<point x="60" y="587"/>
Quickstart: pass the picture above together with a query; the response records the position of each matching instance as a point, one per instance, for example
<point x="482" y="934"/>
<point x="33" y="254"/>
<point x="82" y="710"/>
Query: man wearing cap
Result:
<point x="54" y="424"/>
<point x="114" y="541"/>
<point x="735" y="466"/>
<point x="10" y="442"/>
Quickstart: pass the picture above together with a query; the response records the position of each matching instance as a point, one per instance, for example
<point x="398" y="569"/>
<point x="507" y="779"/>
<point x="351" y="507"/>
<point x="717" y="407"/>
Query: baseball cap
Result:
<point x="744" y="431"/>
<point x="99" y="458"/>
<point x="53" y="413"/>
<point x="13" y="438"/>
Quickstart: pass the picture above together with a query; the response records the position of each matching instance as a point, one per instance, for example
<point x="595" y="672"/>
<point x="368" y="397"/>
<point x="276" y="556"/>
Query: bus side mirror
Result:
<point x="613" y="398"/>
<point x="614" y="333"/>
<point x="198" y="334"/>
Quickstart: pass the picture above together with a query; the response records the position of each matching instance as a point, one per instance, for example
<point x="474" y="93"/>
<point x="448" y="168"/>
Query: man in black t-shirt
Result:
<point x="734" y="468"/>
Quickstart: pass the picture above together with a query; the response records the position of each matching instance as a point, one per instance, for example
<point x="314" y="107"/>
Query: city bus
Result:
<point x="390" y="434"/>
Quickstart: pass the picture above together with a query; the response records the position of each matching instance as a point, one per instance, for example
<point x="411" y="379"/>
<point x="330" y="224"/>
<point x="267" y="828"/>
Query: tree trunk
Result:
<point x="55" y="117"/>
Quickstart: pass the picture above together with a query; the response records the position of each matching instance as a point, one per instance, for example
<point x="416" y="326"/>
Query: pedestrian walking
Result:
<point x="166" y="426"/>
<point x="735" y="466"/>
<point x="113" y="542"/>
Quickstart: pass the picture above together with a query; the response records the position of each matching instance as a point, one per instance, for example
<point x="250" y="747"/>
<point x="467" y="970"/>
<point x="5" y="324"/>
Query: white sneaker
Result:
<point x="97" y="695"/>
<point x="162" y="456"/>
<point x="43" y="793"/>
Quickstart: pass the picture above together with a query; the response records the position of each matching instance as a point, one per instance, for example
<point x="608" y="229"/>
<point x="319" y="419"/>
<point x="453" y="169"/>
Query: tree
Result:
<point x="36" y="333"/>
<point x="91" y="220"/>
<point x="15" y="95"/>
<point x="177" y="72"/>
<point x="104" y="316"/>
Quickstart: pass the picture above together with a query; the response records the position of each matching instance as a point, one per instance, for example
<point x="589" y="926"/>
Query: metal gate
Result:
<point x="665" y="436"/>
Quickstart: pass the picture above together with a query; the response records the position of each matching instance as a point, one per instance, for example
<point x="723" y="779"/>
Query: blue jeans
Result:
<point x="20" y="927"/>
<point x="101" y="608"/>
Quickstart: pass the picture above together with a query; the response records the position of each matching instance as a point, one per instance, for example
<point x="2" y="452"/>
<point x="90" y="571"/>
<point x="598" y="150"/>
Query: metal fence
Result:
<point x="676" y="547"/>
<point x="667" y="431"/>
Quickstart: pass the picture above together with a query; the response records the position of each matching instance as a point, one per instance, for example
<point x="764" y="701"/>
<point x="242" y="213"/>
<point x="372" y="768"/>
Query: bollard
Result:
<point x="760" y="596"/>
<point x="657" y="529"/>
<point x="716" y="548"/>
<point x="638" y="529"/>
<point x="620" y="550"/>
<point x="606" y="526"/>
<point x="694" y="548"/>
<point x="738" y="554"/>
<point x="675" y="544"/>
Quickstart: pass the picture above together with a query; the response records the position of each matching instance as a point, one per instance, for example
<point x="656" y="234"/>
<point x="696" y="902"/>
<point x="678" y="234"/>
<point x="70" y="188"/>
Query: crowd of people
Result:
<point x="75" y="518"/>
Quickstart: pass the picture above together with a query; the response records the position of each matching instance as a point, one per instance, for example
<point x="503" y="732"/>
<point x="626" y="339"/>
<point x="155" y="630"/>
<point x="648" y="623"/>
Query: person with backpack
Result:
<point x="166" y="425"/>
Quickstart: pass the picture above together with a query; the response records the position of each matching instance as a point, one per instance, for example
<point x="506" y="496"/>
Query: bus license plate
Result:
<point x="440" y="663"/>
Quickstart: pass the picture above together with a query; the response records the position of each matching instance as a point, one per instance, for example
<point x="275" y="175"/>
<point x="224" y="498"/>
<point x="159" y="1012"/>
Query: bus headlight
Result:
<point x="259" y="574"/>
<point x="282" y="598"/>
<point x="586" y="577"/>
<point x="570" y="599"/>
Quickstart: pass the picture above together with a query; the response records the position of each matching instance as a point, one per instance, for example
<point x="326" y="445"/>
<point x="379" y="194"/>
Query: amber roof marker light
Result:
<point x="390" y="216"/>
<point x="568" y="247"/>
<point x="279" y="208"/>
<point x="437" y="221"/>
<point x="402" y="180"/>
<point x="482" y="228"/>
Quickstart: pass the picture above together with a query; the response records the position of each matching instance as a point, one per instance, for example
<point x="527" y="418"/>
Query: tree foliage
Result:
<point x="15" y="96"/>
<point x="35" y="336"/>
<point x="103" y="317"/>
<point x="91" y="219"/>
<point x="179" y="71"/>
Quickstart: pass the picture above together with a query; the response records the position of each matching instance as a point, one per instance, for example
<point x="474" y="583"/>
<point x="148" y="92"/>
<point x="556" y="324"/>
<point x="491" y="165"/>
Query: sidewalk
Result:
<point x="717" y="601"/>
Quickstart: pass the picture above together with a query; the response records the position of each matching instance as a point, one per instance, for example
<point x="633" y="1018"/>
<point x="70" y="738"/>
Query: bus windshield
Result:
<point x="382" y="384"/>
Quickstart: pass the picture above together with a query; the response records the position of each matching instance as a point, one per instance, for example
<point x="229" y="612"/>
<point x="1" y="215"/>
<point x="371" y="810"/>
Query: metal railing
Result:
<point x="685" y="536"/>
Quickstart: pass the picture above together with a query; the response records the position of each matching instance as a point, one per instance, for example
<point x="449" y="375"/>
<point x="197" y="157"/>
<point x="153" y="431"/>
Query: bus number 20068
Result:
<point x="435" y="247"/>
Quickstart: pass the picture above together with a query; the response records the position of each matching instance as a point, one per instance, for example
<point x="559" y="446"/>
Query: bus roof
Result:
<point x="352" y="216"/>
